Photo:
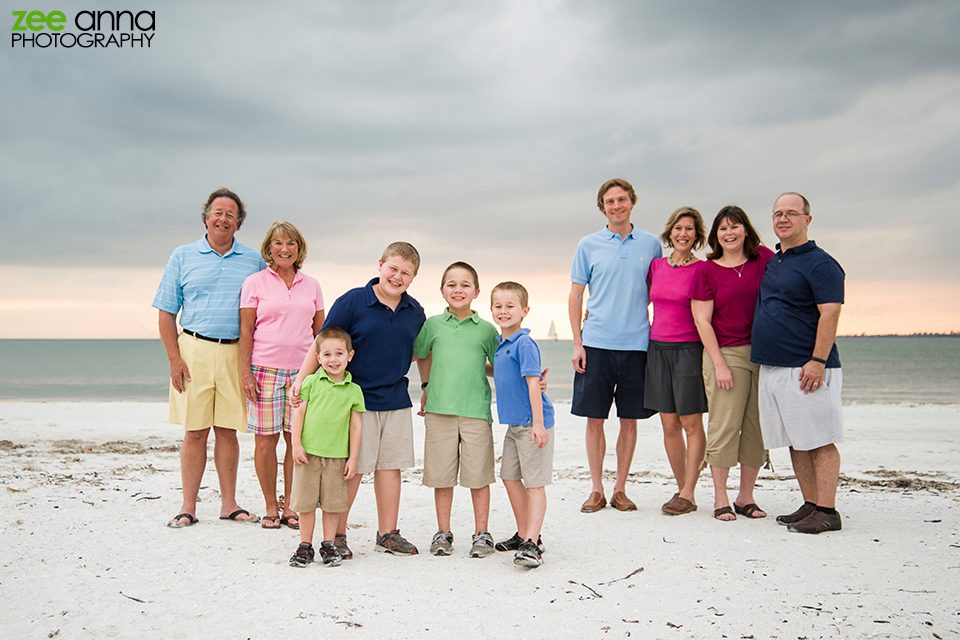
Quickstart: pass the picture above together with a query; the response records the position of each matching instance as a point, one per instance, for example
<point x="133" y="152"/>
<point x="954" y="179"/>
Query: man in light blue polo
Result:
<point x="610" y="346"/>
<point x="202" y="283"/>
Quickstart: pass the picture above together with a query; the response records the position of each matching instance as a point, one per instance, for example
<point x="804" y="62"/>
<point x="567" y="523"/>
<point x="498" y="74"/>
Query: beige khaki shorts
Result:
<point x="453" y="444"/>
<point x="733" y="428"/>
<point x="212" y="397"/>
<point x="524" y="460"/>
<point x="319" y="483"/>
<point x="386" y="441"/>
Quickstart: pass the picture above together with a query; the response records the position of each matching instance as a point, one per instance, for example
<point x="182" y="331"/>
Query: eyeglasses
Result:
<point x="792" y="215"/>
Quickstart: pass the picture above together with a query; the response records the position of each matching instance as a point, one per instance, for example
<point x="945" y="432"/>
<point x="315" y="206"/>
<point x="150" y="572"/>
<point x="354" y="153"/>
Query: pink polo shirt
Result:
<point x="670" y="295"/>
<point x="284" y="328"/>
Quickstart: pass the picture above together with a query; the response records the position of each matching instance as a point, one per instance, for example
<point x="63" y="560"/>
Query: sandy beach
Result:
<point x="85" y="553"/>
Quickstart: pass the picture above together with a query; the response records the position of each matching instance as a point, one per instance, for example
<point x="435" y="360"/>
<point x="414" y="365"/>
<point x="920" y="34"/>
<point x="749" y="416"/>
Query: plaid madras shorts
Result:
<point x="270" y="414"/>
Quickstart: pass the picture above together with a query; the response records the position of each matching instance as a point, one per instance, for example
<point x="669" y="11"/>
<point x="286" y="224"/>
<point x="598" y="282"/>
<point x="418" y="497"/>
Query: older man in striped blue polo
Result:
<point x="202" y="283"/>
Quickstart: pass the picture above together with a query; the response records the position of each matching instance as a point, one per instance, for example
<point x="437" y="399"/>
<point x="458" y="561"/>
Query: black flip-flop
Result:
<point x="233" y="516"/>
<point x="176" y="524"/>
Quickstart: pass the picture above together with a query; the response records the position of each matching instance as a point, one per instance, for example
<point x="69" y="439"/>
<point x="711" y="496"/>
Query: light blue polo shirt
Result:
<point x="206" y="286"/>
<point x="518" y="357"/>
<point x="614" y="269"/>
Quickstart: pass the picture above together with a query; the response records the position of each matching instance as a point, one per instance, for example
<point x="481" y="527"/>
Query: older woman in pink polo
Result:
<point x="281" y="310"/>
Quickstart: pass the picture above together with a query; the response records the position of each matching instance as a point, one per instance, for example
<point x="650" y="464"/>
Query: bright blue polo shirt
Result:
<point x="614" y="269"/>
<point x="383" y="344"/>
<point x="206" y="287"/>
<point x="517" y="357"/>
<point x="786" y="318"/>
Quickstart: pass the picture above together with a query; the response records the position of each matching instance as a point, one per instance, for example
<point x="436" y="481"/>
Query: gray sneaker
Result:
<point x="482" y="545"/>
<point x="528" y="555"/>
<point x="394" y="543"/>
<point x="442" y="544"/>
<point x="340" y="542"/>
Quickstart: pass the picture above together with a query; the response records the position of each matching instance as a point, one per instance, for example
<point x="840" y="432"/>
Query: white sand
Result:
<point x="85" y="553"/>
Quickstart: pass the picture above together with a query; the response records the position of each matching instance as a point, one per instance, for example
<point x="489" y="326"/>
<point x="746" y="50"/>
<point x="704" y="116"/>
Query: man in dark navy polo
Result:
<point x="794" y="331"/>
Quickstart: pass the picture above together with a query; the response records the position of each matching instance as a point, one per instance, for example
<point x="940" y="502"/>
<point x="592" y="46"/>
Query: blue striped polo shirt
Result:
<point x="206" y="287"/>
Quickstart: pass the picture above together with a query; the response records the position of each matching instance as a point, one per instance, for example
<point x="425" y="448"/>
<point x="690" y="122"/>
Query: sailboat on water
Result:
<point x="552" y="331"/>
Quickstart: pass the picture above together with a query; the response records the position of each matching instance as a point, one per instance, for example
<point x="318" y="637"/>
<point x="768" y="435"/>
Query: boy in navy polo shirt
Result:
<point x="527" y="462"/>
<point x="383" y="321"/>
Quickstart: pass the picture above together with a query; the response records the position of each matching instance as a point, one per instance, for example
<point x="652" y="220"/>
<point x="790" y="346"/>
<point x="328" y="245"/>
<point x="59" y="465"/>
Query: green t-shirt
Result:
<point x="458" y="376"/>
<point x="326" y="423"/>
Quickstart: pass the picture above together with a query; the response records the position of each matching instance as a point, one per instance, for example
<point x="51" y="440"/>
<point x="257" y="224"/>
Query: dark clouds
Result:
<point x="450" y="123"/>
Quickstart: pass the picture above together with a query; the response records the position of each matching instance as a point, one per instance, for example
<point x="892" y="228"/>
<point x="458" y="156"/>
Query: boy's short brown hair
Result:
<point x="334" y="333"/>
<point x="615" y="182"/>
<point x="516" y="287"/>
<point x="403" y="250"/>
<point x="466" y="267"/>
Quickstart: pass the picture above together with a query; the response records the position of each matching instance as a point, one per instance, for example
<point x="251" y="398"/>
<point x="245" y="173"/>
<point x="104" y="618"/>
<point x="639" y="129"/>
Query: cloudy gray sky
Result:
<point x="479" y="131"/>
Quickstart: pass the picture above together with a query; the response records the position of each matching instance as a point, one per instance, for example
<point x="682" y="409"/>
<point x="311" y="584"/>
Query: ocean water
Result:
<point x="875" y="370"/>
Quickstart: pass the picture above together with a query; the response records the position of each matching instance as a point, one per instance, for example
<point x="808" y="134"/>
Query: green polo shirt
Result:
<point x="326" y="424"/>
<point x="458" y="376"/>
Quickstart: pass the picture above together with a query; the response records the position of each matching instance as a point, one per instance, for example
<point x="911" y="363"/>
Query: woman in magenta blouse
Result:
<point x="673" y="384"/>
<point x="724" y="297"/>
<point x="281" y="310"/>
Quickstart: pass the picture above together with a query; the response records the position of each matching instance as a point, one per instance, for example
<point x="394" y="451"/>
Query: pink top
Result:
<point x="670" y="295"/>
<point x="284" y="328"/>
<point x="734" y="293"/>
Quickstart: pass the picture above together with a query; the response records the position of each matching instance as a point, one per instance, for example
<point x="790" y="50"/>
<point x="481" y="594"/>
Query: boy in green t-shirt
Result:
<point x="453" y="350"/>
<point x="326" y="438"/>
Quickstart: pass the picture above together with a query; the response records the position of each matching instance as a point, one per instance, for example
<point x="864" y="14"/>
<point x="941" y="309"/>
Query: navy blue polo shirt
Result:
<point x="383" y="344"/>
<point x="786" y="318"/>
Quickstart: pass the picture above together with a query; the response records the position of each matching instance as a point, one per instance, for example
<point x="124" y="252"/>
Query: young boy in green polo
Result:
<point x="326" y="439"/>
<point x="453" y="350"/>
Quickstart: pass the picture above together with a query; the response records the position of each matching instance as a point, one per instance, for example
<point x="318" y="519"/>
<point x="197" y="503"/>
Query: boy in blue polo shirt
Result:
<point x="527" y="462"/>
<point x="383" y="321"/>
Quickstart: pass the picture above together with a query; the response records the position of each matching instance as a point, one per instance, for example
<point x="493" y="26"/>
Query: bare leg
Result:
<point x="288" y="476"/>
<point x="330" y="521"/>
<point x="265" y="462"/>
<point x="226" y="456"/>
<point x="386" y="487"/>
<point x="308" y="522"/>
<point x="720" y="499"/>
<point x="353" y="487"/>
<point x="748" y="479"/>
<point x="193" y="460"/>
<point x="626" y="445"/>
<point x="518" y="502"/>
<point x="826" y="468"/>
<point x="675" y="446"/>
<point x="443" y="502"/>
<point x="537" y="501"/>
<point x="803" y="469"/>
<point x="696" y="446"/>
<point x="481" y="508"/>
<point x="596" y="449"/>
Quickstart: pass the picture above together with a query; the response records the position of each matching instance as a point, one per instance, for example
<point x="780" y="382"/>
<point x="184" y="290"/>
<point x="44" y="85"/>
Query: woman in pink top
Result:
<point x="281" y="309"/>
<point x="673" y="384"/>
<point x="724" y="297"/>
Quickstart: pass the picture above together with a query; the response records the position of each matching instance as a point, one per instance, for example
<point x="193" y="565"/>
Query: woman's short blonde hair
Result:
<point x="283" y="229"/>
<point x="698" y="226"/>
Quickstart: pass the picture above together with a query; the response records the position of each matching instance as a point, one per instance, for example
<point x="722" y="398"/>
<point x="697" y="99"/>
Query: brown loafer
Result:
<point x="621" y="502"/>
<point x="594" y="503"/>
<point x="678" y="506"/>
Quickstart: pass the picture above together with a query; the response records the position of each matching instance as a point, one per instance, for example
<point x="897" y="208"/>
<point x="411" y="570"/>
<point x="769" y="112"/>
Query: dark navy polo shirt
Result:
<point x="383" y="344"/>
<point x="786" y="318"/>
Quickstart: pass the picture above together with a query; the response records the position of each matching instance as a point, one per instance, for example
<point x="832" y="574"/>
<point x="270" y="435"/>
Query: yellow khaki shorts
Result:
<point x="386" y="441"/>
<point x="733" y="427"/>
<point x="212" y="397"/>
<point x="319" y="483"/>
<point x="452" y="444"/>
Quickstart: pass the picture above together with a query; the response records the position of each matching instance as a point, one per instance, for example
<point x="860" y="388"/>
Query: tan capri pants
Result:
<point x="733" y="430"/>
